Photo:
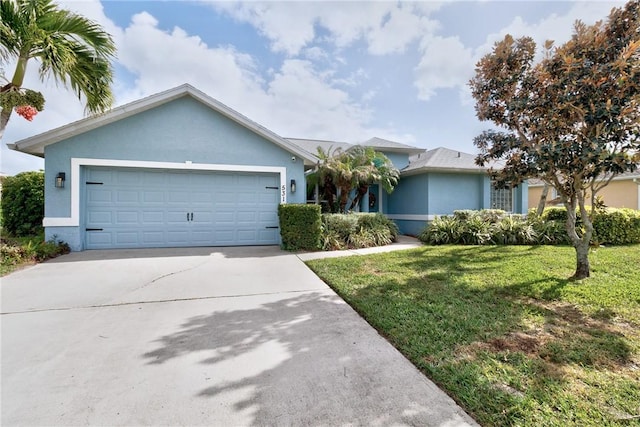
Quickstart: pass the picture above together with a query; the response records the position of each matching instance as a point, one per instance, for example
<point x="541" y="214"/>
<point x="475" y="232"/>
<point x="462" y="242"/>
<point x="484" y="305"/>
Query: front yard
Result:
<point x="503" y="332"/>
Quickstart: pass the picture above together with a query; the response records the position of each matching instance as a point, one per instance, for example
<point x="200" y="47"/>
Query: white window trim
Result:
<point x="77" y="163"/>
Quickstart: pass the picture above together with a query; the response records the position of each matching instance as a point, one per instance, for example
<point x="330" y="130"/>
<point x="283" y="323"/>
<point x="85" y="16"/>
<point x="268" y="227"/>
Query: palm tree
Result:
<point x="72" y="49"/>
<point x="339" y="172"/>
<point x="380" y="170"/>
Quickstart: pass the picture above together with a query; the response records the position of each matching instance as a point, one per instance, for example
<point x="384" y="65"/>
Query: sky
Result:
<point x="343" y="71"/>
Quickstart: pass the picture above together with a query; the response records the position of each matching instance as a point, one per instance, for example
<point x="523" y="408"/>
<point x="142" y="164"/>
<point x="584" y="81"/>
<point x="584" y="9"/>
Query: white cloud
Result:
<point x="387" y="27"/>
<point x="555" y="27"/>
<point x="402" y="27"/>
<point x="445" y="63"/>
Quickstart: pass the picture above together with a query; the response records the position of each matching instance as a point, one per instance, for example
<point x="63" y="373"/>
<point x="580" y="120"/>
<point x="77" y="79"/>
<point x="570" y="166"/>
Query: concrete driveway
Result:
<point x="198" y="336"/>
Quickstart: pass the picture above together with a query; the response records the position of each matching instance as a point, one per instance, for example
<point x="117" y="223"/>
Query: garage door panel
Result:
<point x="180" y="197"/>
<point x="99" y="195"/>
<point x="153" y="238"/>
<point x="127" y="196"/>
<point x="99" y="240"/>
<point x="153" y="217"/>
<point x="126" y="238"/>
<point x="150" y="208"/>
<point x="127" y="217"/>
<point x="100" y="217"/>
<point x="153" y="196"/>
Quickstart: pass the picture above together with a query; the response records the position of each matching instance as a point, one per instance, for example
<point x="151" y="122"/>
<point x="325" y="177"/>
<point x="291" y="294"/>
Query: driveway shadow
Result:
<point x="305" y="360"/>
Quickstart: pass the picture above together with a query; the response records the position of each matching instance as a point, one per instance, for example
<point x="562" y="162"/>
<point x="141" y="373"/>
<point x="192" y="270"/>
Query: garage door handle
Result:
<point x="187" y="216"/>
<point x="191" y="216"/>
<point x="273" y="226"/>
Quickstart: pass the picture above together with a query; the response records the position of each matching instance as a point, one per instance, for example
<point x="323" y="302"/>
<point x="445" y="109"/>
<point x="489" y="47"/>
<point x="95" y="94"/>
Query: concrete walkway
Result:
<point x="199" y="336"/>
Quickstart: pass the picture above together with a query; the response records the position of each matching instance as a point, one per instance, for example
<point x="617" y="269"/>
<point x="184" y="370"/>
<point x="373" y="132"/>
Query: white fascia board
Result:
<point x="77" y="163"/>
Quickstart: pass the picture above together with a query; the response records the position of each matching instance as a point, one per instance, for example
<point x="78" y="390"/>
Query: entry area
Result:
<point x="150" y="208"/>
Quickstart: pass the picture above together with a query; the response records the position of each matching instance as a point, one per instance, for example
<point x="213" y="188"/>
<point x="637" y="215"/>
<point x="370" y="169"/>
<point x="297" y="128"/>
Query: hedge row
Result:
<point x="23" y="204"/>
<point x="611" y="226"/>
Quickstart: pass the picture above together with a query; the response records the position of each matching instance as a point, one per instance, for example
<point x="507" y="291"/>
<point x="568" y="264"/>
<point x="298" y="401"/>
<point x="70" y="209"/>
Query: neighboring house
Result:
<point x="181" y="169"/>
<point x="174" y="169"/>
<point x="622" y="192"/>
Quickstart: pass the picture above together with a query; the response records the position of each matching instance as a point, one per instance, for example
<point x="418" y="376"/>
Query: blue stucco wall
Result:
<point x="399" y="160"/>
<point x="179" y="131"/>
<point x="454" y="191"/>
<point x="521" y="198"/>
<point x="410" y="228"/>
<point x="411" y="196"/>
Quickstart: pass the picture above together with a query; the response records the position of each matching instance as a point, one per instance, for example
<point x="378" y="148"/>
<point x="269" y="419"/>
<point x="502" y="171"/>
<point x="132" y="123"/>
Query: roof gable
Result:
<point x="35" y="144"/>
<point x="443" y="159"/>
<point x="391" y="146"/>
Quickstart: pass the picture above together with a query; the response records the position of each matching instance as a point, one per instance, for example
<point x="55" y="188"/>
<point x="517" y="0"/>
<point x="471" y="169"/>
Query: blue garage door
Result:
<point x="136" y="208"/>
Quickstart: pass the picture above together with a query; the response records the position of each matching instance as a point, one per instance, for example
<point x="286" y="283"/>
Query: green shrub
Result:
<point x="555" y="214"/>
<point x="513" y="230"/>
<point x="14" y="252"/>
<point x="357" y="230"/>
<point x="611" y="226"/>
<point x="23" y="203"/>
<point x="378" y="221"/>
<point x="476" y="231"/>
<point x="551" y="232"/>
<point x="616" y="226"/>
<point x="443" y="230"/>
<point x="300" y="226"/>
<point x="489" y="215"/>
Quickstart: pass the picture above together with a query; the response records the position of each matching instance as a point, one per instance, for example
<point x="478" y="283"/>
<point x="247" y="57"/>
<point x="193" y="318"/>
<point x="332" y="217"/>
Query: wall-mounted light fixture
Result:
<point x="293" y="185"/>
<point x="60" y="178"/>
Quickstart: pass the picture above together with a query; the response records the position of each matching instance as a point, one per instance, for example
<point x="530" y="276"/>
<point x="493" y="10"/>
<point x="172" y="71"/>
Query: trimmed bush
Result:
<point x="23" y="203"/>
<point x="300" y="226"/>
<point x="555" y="214"/>
<point x="617" y="226"/>
<point x="357" y="230"/>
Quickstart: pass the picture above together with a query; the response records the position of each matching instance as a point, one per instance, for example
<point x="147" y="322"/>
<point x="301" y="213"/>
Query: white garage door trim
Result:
<point x="76" y="163"/>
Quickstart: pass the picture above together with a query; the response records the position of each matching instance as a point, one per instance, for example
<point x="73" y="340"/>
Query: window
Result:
<point x="502" y="198"/>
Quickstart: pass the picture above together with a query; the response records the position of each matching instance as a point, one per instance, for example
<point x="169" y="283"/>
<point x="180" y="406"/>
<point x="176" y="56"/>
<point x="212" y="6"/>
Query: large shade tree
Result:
<point x="571" y="119"/>
<point x="72" y="49"/>
<point x="341" y="172"/>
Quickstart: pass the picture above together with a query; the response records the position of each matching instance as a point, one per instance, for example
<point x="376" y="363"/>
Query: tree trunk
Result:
<point x="583" y="269"/>
<point x="580" y="243"/>
<point x="360" y="192"/>
<point x="4" y="119"/>
<point x="543" y="200"/>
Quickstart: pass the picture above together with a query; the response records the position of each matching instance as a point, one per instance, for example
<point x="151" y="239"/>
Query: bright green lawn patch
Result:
<point x="503" y="332"/>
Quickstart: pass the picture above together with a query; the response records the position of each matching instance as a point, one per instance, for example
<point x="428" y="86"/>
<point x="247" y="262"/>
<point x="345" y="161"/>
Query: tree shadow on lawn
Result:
<point x="456" y="332"/>
<point x="303" y="360"/>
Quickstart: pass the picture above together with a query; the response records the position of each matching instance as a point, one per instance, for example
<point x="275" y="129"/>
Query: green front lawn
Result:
<point x="503" y="332"/>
